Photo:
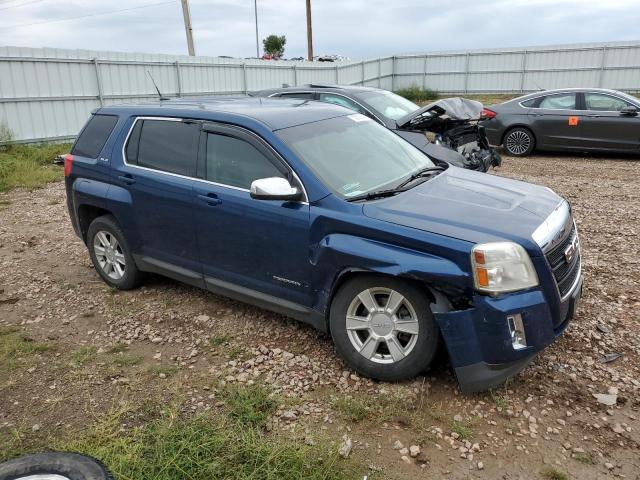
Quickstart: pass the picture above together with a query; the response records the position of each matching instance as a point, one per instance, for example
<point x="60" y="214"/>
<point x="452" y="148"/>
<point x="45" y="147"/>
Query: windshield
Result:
<point x="353" y="154"/>
<point x="388" y="103"/>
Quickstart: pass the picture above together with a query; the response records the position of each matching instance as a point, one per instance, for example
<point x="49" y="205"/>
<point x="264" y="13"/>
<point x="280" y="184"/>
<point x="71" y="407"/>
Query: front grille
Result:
<point x="564" y="272"/>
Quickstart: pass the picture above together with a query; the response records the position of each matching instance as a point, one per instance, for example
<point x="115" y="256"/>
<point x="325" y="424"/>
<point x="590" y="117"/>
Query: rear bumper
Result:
<point x="479" y="341"/>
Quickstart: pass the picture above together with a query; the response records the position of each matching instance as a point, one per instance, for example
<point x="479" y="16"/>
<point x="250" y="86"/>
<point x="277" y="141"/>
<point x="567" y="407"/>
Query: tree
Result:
<point x="274" y="45"/>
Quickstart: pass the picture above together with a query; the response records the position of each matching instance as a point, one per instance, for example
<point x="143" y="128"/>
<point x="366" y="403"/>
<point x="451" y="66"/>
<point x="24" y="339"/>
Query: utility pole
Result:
<point x="309" y="33"/>
<point x="187" y="26"/>
<point x="255" y="7"/>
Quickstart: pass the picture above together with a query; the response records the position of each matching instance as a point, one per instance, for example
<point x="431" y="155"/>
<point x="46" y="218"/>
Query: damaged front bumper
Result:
<point x="480" y="342"/>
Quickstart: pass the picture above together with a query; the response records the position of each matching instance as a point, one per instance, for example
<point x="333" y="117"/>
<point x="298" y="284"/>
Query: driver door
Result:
<point x="605" y="127"/>
<point x="254" y="247"/>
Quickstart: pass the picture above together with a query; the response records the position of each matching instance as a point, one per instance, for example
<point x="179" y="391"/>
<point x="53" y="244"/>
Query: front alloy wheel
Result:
<point x="383" y="327"/>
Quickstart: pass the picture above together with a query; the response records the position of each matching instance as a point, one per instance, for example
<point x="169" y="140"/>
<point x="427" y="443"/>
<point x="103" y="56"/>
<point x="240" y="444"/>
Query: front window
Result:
<point x="604" y="103"/>
<point x="354" y="155"/>
<point x="388" y="104"/>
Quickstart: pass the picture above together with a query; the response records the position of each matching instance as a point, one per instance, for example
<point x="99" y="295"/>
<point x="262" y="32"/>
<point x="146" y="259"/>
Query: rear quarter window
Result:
<point x="94" y="135"/>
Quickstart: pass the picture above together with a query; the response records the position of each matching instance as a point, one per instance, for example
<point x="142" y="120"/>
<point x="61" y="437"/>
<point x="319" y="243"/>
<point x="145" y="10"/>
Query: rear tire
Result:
<point x="111" y="255"/>
<point x="72" y="466"/>
<point x="383" y="327"/>
<point x="519" y="142"/>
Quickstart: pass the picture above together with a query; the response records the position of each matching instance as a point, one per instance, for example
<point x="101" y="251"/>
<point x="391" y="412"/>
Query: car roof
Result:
<point x="317" y="87"/>
<point x="276" y="114"/>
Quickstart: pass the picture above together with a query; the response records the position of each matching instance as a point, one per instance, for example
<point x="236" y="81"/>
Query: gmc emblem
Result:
<point x="571" y="250"/>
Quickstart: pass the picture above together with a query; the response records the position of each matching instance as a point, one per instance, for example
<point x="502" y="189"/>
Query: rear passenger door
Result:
<point x="154" y="195"/>
<point x="556" y="121"/>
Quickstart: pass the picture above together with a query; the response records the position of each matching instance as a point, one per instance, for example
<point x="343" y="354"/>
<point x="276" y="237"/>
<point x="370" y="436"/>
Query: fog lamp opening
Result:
<point x="516" y="328"/>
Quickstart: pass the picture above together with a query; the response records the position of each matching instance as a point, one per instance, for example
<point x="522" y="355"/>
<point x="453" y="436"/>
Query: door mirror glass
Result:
<point x="273" y="188"/>
<point x="629" y="110"/>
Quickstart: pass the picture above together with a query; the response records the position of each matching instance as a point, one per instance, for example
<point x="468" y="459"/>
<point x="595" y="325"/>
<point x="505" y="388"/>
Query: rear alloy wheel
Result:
<point x="519" y="142"/>
<point x="383" y="327"/>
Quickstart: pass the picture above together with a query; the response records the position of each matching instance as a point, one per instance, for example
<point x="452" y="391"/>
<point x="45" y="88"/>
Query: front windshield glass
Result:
<point x="388" y="103"/>
<point x="353" y="154"/>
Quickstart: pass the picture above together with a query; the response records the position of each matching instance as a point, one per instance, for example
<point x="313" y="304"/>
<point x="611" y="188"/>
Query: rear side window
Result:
<point x="300" y="95"/>
<point x="234" y="162"/>
<point x="342" y="101"/>
<point x="530" y="103"/>
<point x="94" y="135"/>
<point x="168" y="146"/>
<point x="560" y="101"/>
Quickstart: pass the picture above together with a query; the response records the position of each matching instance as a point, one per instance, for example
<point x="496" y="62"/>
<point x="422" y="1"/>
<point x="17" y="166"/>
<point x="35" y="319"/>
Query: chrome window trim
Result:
<point x="178" y="119"/>
<point x="332" y="93"/>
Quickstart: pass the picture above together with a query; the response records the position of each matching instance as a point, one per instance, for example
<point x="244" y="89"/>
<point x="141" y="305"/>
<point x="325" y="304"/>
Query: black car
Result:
<point x="459" y="139"/>
<point x="580" y="119"/>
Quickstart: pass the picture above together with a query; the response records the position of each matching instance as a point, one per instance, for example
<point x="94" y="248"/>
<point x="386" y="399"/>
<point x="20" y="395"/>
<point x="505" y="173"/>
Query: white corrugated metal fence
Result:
<point x="48" y="93"/>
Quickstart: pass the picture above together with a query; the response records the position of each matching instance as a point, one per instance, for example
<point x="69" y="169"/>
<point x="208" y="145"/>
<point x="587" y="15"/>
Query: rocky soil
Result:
<point x="574" y="411"/>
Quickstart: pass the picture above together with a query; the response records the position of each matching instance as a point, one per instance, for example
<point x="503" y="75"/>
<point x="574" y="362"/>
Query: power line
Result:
<point x="21" y="5"/>
<point x="88" y="15"/>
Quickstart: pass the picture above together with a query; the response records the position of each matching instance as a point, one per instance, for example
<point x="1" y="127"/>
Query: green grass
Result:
<point x="168" y="445"/>
<point x="83" y="356"/>
<point x="160" y="369"/>
<point x="417" y="94"/>
<point x="351" y="409"/>
<point x="585" y="458"/>
<point x="118" y="348"/>
<point x="250" y="406"/>
<point x="30" y="166"/>
<point x="553" y="474"/>
<point x="465" y="431"/>
<point x="219" y="340"/>
<point x="127" y="360"/>
<point x="16" y="347"/>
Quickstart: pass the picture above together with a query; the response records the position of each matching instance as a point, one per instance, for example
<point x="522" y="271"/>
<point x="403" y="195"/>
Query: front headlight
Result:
<point x="502" y="267"/>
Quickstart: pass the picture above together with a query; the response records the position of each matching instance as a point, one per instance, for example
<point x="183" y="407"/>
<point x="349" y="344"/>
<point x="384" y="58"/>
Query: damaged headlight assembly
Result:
<point x="501" y="267"/>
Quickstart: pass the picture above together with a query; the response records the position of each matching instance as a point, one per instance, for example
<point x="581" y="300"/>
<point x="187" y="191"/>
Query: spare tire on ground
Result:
<point x="54" y="466"/>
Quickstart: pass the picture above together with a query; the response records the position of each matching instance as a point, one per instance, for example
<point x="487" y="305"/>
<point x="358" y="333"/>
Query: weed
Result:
<point x="585" y="458"/>
<point x="553" y="474"/>
<point x="127" y="360"/>
<point x="251" y="405"/>
<point x="417" y="94"/>
<point x="29" y="166"/>
<point x="351" y="409"/>
<point x="219" y="340"/>
<point x="15" y="347"/>
<point x="462" y="429"/>
<point x="83" y="356"/>
<point x="118" y="348"/>
<point x="160" y="369"/>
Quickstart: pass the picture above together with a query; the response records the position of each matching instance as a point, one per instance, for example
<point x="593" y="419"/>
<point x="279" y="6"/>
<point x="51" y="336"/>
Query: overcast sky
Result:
<point x="354" y="28"/>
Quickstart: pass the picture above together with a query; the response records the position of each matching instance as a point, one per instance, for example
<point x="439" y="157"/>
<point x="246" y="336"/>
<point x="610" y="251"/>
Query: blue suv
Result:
<point x="321" y="214"/>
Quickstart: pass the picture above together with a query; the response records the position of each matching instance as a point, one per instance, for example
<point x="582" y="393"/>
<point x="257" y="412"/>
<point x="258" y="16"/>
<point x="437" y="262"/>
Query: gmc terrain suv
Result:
<point x="319" y="213"/>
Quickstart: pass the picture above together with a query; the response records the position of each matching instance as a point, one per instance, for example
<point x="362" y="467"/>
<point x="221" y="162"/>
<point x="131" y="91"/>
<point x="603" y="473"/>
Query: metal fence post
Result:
<point x="337" y="79"/>
<point x="178" y="78"/>
<point x="362" y="64"/>
<point x="603" y="62"/>
<point x="98" y="81"/>
<point x="466" y="73"/>
<point x="245" y="86"/>
<point x="393" y="73"/>
<point x="524" y="70"/>
<point x="424" y="69"/>
<point x="295" y="75"/>
<point x="379" y="71"/>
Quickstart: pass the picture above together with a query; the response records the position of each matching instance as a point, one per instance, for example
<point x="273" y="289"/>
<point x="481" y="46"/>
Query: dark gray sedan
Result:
<point x="568" y="119"/>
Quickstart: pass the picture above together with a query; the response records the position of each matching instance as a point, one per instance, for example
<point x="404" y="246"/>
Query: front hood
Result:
<point x="470" y="206"/>
<point x="455" y="108"/>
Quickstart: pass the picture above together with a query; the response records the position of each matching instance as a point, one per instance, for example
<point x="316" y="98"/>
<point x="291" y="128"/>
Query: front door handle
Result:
<point x="127" y="179"/>
<point x="211" y="199"/>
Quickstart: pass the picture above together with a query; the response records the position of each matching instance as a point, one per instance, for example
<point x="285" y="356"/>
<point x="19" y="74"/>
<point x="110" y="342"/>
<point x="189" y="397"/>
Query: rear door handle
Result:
<point x="127" y="179"/>
<point x="210" y="198"/>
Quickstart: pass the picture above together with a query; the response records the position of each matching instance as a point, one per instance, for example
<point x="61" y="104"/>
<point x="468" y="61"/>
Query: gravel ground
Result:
<point x="167" y="340"/>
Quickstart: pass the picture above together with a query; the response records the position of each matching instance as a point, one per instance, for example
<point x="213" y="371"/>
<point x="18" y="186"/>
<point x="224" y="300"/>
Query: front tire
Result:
<point x="383" y="327"/>
<point x="111" y="255"/>
<point x="68" y="466"/>
<point x="519" y="142"/>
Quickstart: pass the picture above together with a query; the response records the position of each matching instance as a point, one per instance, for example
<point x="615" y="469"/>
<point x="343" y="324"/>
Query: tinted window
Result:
<point x="234" y="162"/>
<point x="342" y="101"/>
<point x="300" y="95"/>
<point x="169" y="146"/>
<point x="530" y="103"/>
<point x="387" y="103"/>
<point x="560" y="101"/>
<point x="94" y="136"/>
<point x="604" y="103"/>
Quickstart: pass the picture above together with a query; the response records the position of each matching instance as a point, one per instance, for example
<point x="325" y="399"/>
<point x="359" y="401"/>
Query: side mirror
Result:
<point x="630" y="111"/>
<point x="273" y="188"/>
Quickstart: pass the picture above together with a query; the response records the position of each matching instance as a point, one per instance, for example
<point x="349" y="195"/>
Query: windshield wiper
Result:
<point x="398" y="188"/>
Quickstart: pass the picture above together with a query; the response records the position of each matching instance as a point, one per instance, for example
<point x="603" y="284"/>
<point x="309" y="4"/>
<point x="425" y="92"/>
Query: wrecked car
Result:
<point x="458" y="139"/>
<point x="322" y="214"/>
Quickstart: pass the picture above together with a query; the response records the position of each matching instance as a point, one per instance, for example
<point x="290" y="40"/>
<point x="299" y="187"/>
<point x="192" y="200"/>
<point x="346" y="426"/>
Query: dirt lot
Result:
<point x="90" y="349"/>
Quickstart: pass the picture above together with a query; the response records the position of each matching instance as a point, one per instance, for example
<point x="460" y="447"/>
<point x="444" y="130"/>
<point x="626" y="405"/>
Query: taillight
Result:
<point x="68" y="162"/>
<point x="486" y="113"/>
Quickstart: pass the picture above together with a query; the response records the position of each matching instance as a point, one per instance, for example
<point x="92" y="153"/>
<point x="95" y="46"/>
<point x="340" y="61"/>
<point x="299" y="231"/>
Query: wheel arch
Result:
<point x="87" y="213"/>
